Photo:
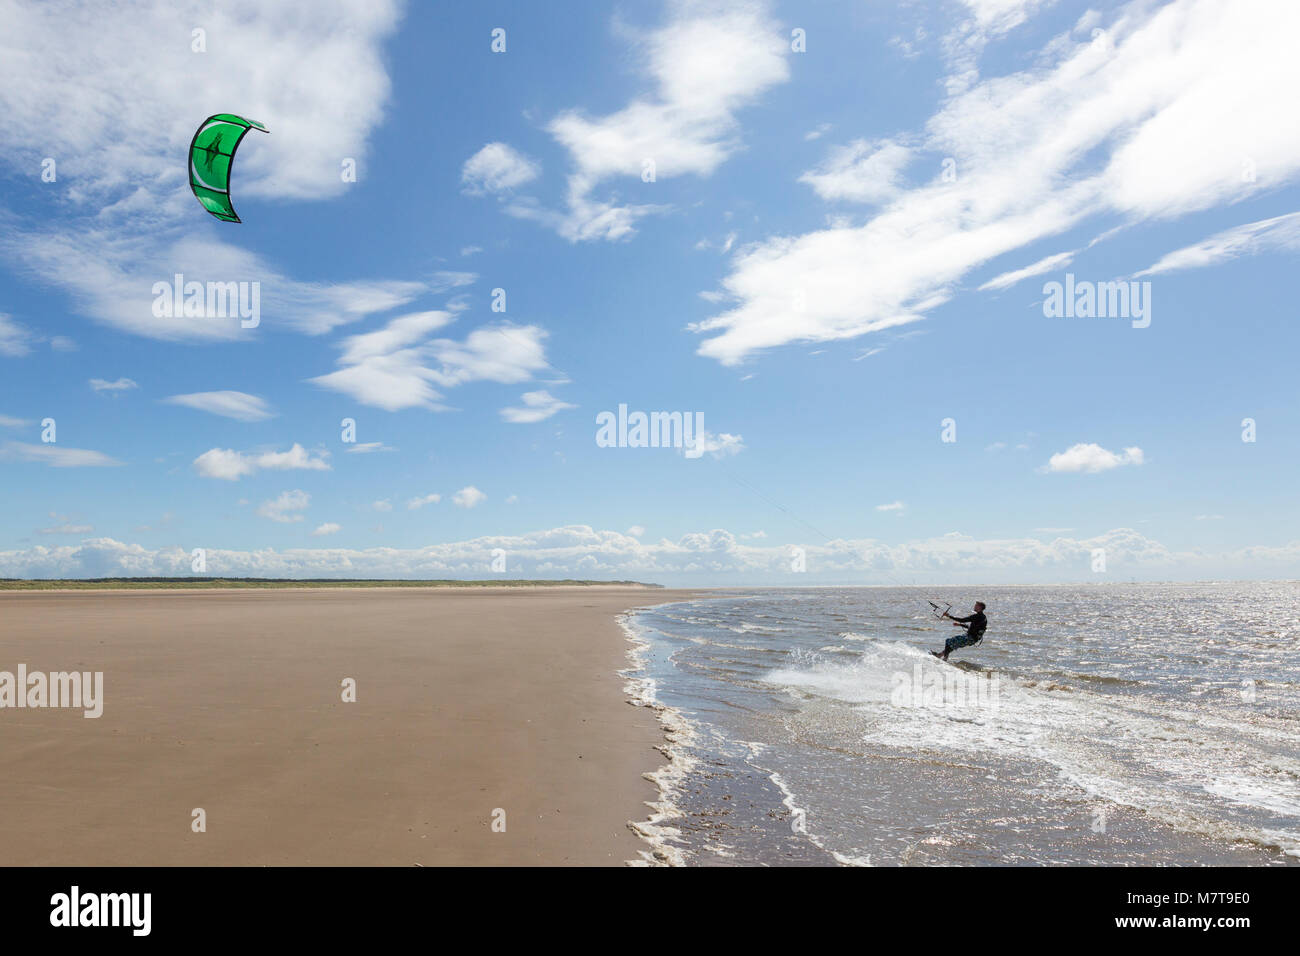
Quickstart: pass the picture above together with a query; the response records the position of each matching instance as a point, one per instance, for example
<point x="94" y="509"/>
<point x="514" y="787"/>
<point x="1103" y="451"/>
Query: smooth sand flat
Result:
<point x="467" y="701"/>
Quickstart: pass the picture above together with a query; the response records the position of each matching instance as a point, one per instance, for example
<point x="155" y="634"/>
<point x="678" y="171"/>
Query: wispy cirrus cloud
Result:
<point x="368" y="447"/>
<point x="56" y="456"/>
<point x="1142" y="120"/>
<point x="1280" y="233"/>
<point x="1043" y="266"/>
<point x="240" y="406"/>
<point x="111" y="276"/>
<point x="65" y="526"/>
<point x="116" y="385"/>
<point x="15" y="340"/>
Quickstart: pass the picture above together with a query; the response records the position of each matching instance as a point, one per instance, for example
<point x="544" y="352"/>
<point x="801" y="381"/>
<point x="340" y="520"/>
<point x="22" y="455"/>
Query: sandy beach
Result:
<point x="467" y="701"/>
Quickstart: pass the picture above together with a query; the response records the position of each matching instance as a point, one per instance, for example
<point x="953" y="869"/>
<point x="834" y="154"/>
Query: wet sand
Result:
<point x="467" y="701"/>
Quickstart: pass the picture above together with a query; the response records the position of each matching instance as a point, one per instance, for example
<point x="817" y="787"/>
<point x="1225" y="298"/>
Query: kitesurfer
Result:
<point x="974" y="624"/>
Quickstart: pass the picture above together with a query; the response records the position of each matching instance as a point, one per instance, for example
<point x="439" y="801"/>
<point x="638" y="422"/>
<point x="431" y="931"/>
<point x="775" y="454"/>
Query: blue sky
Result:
<point x="841" y="246"/>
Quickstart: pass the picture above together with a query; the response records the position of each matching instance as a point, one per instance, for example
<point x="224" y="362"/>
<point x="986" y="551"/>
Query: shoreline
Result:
<point x="665" y="845"/>
<point x="468" y="701"/>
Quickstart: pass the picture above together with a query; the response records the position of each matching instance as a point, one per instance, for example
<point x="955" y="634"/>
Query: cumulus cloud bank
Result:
<point x="701" y="557"/>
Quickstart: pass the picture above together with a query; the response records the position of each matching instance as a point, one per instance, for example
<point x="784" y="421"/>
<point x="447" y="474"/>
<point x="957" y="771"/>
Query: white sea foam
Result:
<point x="1161" y="758"/>
<point x="664" y="839"/>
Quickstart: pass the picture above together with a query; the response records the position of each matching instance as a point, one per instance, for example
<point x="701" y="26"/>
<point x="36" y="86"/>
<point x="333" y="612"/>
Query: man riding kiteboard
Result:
<point x="974" y="624"/>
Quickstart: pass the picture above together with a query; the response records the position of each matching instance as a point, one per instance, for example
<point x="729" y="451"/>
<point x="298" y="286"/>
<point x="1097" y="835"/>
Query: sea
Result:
<point x="1094" y="725"/>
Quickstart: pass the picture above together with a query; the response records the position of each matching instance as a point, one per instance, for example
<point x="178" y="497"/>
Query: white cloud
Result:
<point x="636" y="531"/>
<point x="704" y="557"/>
<point x="56" y="456"/>
<point x="539" y="406"/>
<point x="1091" y="458"/>
<point x="724" y="246"/>
<point x="14" y="338"/>
<point x="318" y="79"/>
<point x="283" y="507"/>
<point x="1048" y="264"/>
<point x="327" y="528"/>
<point x="1149" y="120"/>
<point x="111" y="274"/>
<point x="862" y="172"/>
<point x="718" y="445"/>
<point x="496" y="168"/>
<point x="999" y="16"/>
<point x="468" y="497"/>
<point x="382" y="504"/>
<point x="420" y="501"/>
<point x="67" y="529"/>
<point x="1281" y="233"/>
<point x="119" y="385"/>
<point x="385" y="368"/>
<point x="892" y="506"/>
<point x="72" y="81"/>
<point x="399" y="366"/>
<point x="367" y="447"/>
<point x="237" y="405"/>
<point x="7" y="421"/>
<point x="502" y="353"/>
<point x="61" y="343"/>
<point x="706" y="63"/>
<point x="230" y="465"/>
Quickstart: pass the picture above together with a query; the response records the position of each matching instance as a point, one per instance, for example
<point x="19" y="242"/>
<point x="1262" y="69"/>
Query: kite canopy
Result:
<point x="212" y="154"/>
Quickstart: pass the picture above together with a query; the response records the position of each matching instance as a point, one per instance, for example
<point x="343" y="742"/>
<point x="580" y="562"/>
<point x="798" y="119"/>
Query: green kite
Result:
<point x="212" y="154"/>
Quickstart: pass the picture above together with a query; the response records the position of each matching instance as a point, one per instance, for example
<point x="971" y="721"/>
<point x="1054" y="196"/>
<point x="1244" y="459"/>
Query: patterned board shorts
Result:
<point x="965" y="640"/>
